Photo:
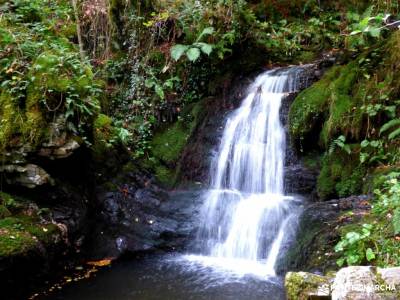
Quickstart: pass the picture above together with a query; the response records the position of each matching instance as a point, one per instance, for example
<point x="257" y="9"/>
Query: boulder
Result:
<point x="304" y="286"/>
<point x="356" y="283"/>
<point x="391" y="276"/>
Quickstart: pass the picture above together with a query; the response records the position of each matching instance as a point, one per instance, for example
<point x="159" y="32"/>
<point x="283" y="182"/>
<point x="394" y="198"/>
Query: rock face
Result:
<point x="18" y="168"/>
<point x="138" y="216"/>
<point x="350" y="283"/>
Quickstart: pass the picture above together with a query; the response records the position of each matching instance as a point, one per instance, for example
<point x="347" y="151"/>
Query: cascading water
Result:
<point x="246" y="216"/>
<point x="247" y="221"/>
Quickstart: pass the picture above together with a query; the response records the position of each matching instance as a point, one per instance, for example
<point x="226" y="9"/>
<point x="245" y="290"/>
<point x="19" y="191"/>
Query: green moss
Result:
<point x="327" y="104"/>
<point x="166" y="176"/>
<point x="4" y="212"/>
<point x="9" y="118"/>
<point x="168" y="144"/>
<point x="300" y="285"/>
<point x="310" y="107"/>
<point x="103" y="132"/>
<point x="304" y="57"/>
<point x="312" y="160"/>
<point x="19" y="235"/>
<point x="341" y="103"/>
<point x="341" y="175"/>
<point x="11" y="203"/>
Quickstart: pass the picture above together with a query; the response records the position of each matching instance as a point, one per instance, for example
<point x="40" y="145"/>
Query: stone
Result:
<point x="62" y="151"/>
<point x="29" y="176"/>
<point x="391" y="276"/>
<point x="360" y="283"/>
<point x="304" y="286"/>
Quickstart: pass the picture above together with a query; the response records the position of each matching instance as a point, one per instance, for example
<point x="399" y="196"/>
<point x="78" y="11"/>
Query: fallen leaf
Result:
<point x="100" y="263"/>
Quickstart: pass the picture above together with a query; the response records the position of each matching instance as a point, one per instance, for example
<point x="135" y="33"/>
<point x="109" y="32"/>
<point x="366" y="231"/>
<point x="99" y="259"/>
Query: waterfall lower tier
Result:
<point x="246" y="218"/>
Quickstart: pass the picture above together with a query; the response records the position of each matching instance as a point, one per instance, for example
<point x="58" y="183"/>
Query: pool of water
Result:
<point x="173" y="277"/>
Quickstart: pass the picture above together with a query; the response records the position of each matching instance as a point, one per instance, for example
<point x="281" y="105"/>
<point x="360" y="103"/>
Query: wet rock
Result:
<point x="139" y="216"/>
<point x="300" y="180"/>
<point x="317" y="236"/>
<point x="29" y="175"/>
<point x="304" y="286"/>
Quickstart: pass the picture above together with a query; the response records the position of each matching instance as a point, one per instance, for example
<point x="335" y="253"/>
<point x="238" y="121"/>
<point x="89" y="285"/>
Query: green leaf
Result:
<point x="177" y="51"/>
<point x="149" y="83"/>
<point x="159" y="91"/>
<point x="355" y="32"/>
<point x="340" y="262"/>
<point x="347" y="149"/>
<point x="206" y="48"/>
<point x="364" y="143"/>
<point x="369" y="254"/>
<point x="363" y="157"/>
<point x="193" y="54"/>
<point x="206" y="31"/>
<point x="394" y="134"/>
<point x="389" y="125"/>
<point x="374" y="32"/>
<point x="352" y="259"/>
<point x="396" y="221"/>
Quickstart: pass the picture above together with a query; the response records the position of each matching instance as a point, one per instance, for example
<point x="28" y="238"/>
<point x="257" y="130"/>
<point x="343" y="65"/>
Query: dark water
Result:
<point x="171" y="277"/>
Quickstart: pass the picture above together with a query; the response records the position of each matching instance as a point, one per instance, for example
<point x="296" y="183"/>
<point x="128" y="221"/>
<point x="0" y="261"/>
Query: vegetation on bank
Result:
<point x="351" y="116"/>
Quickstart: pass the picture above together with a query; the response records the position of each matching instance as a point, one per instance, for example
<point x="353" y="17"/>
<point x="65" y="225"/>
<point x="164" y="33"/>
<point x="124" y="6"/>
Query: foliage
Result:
<point x="354" y="108"/>
<point x="354" y="246"/>
<point x="41" y="74"/>
<point x="193" y="51"/>
<point x="157" y="36"/>
<point x="377" y="241"/>
<point x="341" y="143"/>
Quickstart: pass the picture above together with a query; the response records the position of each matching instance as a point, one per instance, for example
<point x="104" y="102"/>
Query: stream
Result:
<point x="170" y="277"/>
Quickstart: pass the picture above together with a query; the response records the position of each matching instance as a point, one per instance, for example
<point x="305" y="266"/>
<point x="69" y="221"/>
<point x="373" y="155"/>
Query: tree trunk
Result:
<point x="78" y="29"/>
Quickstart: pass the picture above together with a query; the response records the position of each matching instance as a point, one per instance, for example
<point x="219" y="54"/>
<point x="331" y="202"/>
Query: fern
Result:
<point x="394" y="134"/>
<point x="396" y="221"/>
<point x="389" y="125"/>
<point x="341" y="143"/>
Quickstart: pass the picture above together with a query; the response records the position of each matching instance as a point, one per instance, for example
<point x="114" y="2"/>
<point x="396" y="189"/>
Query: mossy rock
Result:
<point x="310" y="108"/>
<point x="104" y="136"/>
<point x="303" y="286"/>
<point x="341" y="175"/>
<point x="323" y="109"/>
<point x="21" y="234"/>
<point x="334" y="105"/>
<point x="168" y="144"/>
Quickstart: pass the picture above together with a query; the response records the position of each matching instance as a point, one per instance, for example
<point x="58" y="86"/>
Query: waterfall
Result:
<point x="246" y="216"/>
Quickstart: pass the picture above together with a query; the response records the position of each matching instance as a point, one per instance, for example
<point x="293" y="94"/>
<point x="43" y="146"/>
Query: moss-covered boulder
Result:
<point x="304" y="286"/>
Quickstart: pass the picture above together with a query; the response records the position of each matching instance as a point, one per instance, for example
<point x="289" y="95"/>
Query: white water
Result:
<point x="246" y="216"/>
